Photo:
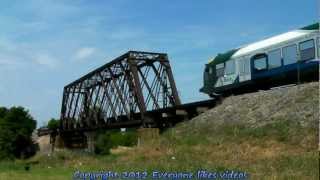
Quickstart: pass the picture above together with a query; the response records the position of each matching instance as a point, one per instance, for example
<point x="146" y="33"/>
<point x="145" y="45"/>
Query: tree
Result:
<point x="3" y="112"/>
<point x="53" y="124"/>
<point x="16" y="127"/>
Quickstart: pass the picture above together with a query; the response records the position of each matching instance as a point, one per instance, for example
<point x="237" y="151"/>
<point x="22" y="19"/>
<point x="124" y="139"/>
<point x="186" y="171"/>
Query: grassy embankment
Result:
<point x="284" y="146"/>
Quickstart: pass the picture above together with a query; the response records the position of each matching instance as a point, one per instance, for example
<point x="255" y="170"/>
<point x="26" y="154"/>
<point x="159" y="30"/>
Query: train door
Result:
<point x="244" y="69"/>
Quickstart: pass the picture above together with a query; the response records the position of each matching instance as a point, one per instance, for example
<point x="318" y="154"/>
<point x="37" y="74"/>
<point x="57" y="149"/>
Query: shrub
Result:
<point x="112" y="139"/>
<point x="16" y="127"/>
<point x="53" y="124"/>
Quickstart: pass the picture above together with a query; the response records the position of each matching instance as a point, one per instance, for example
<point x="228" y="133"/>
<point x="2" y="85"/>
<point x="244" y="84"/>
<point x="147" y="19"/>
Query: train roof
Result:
<point x="220" y="58"/>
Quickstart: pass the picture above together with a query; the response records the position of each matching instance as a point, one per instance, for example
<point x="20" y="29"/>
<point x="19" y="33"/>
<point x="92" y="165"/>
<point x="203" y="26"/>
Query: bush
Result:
<point x="16" y="127"/>
<point x="112" y="139"/>
<point x="53" y="124"/>
<point x="6" y="144"/>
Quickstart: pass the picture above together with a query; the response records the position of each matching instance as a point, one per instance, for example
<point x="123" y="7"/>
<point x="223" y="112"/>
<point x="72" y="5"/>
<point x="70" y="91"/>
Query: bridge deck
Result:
<point x="160" y="118"/>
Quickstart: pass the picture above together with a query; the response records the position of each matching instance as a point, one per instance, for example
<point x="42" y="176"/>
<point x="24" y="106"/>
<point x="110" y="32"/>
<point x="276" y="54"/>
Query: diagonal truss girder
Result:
<point x="122" y="90"/>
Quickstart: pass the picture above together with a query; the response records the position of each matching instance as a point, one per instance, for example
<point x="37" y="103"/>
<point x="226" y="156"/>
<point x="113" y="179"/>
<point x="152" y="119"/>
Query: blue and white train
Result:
<point x="292" y="57"/>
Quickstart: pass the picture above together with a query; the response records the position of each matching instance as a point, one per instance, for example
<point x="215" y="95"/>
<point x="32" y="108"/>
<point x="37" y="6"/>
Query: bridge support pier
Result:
<point x="148" y="137"/>
<point x="90" y="137"/>
<point x="59" y="142"/>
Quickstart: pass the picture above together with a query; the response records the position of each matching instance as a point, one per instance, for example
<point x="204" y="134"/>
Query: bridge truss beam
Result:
<point x="121" y="91"/>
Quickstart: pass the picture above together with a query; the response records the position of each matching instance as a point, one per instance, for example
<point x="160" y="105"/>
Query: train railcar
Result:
<point x="288" y="58"/>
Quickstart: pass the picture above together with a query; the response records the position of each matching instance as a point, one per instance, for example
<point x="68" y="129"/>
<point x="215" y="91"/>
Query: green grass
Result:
<point x="280" y="150"/>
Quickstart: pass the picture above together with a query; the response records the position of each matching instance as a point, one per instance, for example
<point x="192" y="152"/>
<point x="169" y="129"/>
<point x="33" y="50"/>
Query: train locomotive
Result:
<point x="288" y="58"/>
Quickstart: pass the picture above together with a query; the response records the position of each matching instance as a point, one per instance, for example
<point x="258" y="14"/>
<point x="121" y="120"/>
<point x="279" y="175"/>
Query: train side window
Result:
<point x="274" y="58"/>
<point x="220" y="69"/>
<point x="230" y="67"/>
<point x="289" y="54"/>
<point x="307" y="50"/>
<point x="260" y="62"/>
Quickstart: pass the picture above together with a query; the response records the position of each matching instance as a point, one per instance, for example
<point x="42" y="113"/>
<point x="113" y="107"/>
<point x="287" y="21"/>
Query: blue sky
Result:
<point x="46" y="44"/>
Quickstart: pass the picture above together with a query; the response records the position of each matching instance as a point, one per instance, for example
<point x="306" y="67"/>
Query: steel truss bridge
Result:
<point x="122" y="92"/>
<point x="136" y="89"/>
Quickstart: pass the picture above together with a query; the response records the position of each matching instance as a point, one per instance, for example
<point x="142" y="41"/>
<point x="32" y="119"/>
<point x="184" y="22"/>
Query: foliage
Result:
<point x="53" y="124"/>
<point x="108" y="140"/>
<point x="3" y="112"/>
<point x="16" y="127"/>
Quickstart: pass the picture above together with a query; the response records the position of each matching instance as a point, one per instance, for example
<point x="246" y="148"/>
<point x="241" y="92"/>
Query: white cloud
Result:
<point x="46" y="60"/>
<point x="84" y="53"/>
